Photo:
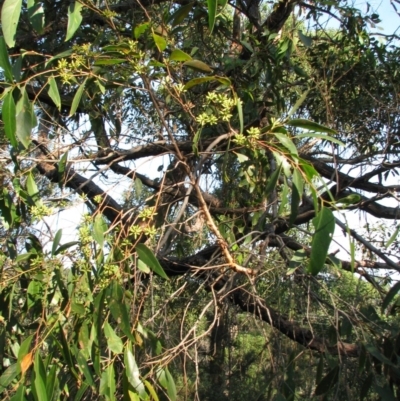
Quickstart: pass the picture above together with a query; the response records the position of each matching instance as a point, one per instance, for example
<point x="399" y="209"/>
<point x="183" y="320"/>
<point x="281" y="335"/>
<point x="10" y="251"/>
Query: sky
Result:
<point x="390" y="20"/>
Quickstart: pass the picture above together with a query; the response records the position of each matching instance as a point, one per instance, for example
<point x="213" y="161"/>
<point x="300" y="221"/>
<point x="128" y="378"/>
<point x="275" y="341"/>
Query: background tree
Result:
<point x="212" y="277"/>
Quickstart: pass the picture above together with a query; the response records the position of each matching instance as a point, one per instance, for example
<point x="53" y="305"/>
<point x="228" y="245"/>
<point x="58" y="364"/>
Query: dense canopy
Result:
<point x="218" y="149"/>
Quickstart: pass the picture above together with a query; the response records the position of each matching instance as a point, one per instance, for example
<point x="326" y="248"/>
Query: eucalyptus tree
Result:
<point x="216" y="268"/>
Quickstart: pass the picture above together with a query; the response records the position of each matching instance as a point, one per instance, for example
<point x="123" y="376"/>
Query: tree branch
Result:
<point x="250" y="303"/>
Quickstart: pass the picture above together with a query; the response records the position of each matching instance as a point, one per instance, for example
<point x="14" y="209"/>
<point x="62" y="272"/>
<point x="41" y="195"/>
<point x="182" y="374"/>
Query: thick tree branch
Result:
<point x="369" y="246"/>
<point x="252" y="304"/>
<point x="281" y="12"/>
<point x="82" y="186"/>
<point x="345" y="180"/>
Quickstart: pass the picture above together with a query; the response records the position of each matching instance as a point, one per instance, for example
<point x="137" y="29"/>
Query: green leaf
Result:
<point x="171" y="388"/>
<point x="74" y="19"/>
<point x="297" y="260"/>
<point x="10" y="14"/>
<point x="196" y="140"/>
<point x="54" y="93"/>
<point x="61" y="167"/>
<point x="306" y="40"/>
<point x="390" y="295"/>
<point x="166" y="380"/>
<point x="324" y="224"/>
<point x="212" y="13"/>
<point x="247" y="45"/>
<point x="81" y="392"/>
<point x="34" y="291"/>
<point x="151" y="390"/>
<point x="181" y="13"/>
<point x="36" y="16"/>
<point x="310" y="125"/>
<point x="299" y="102"/>
<point x="242" y="158"/>
<point x="34" y="244"/>
<point x="113" y="341"/>
<point x="25" y="347"/>
<point x="321" y="136"/>
<point x="286" y="142"/>
<point x="140" y="30"/>
<point x="284" y="197"/>
<point x="100" y="86"/>
<point x="198" y="81"/>
<point x="64" y="247"/>
<point x="65" y="350"/>
<point x="138" y="187"/>
<point x="19" y="394"/>
<point x="372" y="350"/>
<point x="118" y="309"/>
<point x="300" y="72"/>
<point x="160" y="42"/>
<point x="155" y="63"/>
<point x="120" y="314"/>
<point x="393" y="236"/>
<point x="198" y="66"/>
<point x="350" y="200"/>
<point x="240" y="113"/>
<point x="77" y="98"/>
<point x="179" y="55"/>
<point x="143" y="267"/>
<point x="298" y="182"/>
<point x="56" y="242"/>
<point x="52" y="382"/>
<point x="64" y="54"/>
<point x="109" y="61"/>
<point x="10" y="122"/>
<point x="107" y="383"/>
<point x="147" y="256"/>
<point x="132" y="373"/>
<point x="40" y="378"/>
<point x="8" y="376"/>
<point x="224" y="81"/>
<point x="99" y="229"/>
<point x="5" y="61"/>
<point x="369" y="314"/>
<point x="273" y="180"/>
<point x="17" y="67"/>
<point x="297" y="193"/>
<point x="25" y="120"/>
<point x="32" y="189"/>
<point x="308" y="170"/>
<point x="84" y="367"/>
<point x="328" y="381"/>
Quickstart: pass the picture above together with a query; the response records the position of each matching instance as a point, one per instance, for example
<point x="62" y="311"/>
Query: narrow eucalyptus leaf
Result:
<point x="198" y="65"/>
<point x="324" y="224"/>
<point x="9" y="118"/>
<point x="56" y="241"/>
<point x="212" y="13"/>
<point x="132" y="373"/>
<point x="54" y="93"/>
<point x="77" y="98"/>
<point x="74" y="19"/>
<point x="310" y="125"/>
<point x="10" y="13"/>
<point x="328" y="381"/>
<point x="147" y="256"/>
<point x="5" y="61"/>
